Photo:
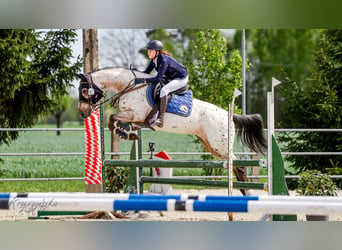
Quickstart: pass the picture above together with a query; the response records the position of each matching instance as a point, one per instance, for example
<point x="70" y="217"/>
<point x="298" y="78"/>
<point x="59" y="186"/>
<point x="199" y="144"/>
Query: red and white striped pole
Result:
<point x="93" y="175"/>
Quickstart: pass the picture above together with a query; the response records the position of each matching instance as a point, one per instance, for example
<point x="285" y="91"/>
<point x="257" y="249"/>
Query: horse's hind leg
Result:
<point x="240" y="173"/>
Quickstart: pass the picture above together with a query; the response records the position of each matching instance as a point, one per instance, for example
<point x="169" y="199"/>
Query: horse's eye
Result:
<point x="85" y="92"/>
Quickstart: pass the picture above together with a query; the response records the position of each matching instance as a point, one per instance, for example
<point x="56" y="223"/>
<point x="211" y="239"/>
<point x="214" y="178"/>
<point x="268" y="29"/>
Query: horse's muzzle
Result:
<point x="84" y="110"/>
<point x="84" y="114"/>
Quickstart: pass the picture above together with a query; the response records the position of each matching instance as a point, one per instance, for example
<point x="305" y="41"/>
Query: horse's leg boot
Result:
<point x="123" y="126"/>
<point x="162" y="109"/>
<point x="122" y="134"/>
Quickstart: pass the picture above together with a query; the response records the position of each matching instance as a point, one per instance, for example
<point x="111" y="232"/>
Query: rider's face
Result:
<point x="151" y="54"/>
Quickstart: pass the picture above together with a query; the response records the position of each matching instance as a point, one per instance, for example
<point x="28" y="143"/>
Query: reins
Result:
<point x="129" y="88"/>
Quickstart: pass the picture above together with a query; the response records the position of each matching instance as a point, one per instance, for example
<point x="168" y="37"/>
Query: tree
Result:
<point x="278" y="53"/>
<point x="58" y="111"/>
<point x="213" y="76"/>
<point x="71" y="114"/>
<point x="316" y="103"/>
<point x="122" y="47"/>
<point x="35" y="72"/>
<point x="173" y="41"/>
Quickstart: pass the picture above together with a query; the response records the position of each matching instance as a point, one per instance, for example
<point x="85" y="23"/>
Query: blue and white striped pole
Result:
<point x="124" y="196"/>
<point x="182" y="197"/>
<point x="30" y="205"/>
<point x="32" y="202"/>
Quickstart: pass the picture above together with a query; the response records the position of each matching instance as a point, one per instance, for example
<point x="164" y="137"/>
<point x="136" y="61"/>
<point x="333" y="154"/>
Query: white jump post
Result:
<point x="270" y="132"/>
<point x="231" y="141"/>
<point x="136" y="145"/>
<point x="231" y="145"/>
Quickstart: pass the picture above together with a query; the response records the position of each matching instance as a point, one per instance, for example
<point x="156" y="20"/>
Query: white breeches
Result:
<point x="173" y="86"/>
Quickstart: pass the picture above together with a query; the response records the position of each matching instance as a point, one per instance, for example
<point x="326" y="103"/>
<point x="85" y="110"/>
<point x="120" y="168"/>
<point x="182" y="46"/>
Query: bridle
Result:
<point x="95" y="94"/>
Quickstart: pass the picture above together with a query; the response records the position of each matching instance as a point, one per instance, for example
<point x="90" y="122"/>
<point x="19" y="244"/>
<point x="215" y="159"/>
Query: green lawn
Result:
<point x="73" y="166"/>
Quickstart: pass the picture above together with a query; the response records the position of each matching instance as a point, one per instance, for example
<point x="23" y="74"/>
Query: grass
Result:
<point x="44" y="166"/>
<point x="73" y="166"/>
<point x="43" y="186"/>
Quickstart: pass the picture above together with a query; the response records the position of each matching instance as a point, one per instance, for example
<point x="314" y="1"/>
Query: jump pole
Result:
<point x="180" y="197"/>
<point x="30" y="205"/>
<point x="94" y="153"/>
<point x="186" y="164"/>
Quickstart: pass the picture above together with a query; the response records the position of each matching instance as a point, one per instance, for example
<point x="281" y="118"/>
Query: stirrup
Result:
<point x="159" y="122"/>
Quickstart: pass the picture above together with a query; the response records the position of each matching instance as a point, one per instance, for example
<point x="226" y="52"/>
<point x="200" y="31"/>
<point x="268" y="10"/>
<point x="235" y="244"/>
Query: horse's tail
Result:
<point x="250" y="128"/>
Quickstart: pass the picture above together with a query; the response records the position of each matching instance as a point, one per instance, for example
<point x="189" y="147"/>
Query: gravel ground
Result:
<point x="6" y="215"/>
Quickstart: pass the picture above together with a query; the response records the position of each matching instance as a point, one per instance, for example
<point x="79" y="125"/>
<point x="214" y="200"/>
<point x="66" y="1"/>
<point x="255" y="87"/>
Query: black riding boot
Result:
<point x="162" y="109"/>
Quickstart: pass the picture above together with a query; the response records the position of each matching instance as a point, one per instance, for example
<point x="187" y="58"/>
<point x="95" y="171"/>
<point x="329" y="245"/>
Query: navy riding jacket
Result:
<point x="166" y="66"/>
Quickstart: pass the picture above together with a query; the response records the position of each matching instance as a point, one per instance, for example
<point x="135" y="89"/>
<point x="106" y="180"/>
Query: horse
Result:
<point x="208" y="122"/>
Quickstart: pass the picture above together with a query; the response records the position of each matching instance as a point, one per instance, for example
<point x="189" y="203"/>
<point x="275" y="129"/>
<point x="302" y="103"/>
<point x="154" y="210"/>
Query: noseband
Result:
<point x="94" y="93"/>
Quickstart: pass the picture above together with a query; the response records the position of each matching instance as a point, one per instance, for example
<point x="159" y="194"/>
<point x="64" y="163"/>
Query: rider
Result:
<point x="175" y="73"/>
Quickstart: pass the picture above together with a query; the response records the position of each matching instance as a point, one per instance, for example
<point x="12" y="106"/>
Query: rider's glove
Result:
<point x="139" y="80"/>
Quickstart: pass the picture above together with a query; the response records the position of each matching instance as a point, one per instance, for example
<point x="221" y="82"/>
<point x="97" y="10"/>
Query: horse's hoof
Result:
<point x="122" y="134"/>
<point x="123" y="126"/>
<point x="133" y="137"/>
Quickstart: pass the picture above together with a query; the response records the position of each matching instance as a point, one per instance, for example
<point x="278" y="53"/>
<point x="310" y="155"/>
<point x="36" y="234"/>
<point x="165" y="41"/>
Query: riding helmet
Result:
<point x="154" y="45"/>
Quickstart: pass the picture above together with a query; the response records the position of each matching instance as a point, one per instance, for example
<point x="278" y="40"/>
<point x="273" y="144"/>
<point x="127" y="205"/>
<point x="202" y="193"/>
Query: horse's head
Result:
<point x="88" y="95"/>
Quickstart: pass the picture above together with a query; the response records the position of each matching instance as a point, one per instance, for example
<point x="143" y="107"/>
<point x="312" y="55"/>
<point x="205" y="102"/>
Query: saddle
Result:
<point x="179" y="102"/>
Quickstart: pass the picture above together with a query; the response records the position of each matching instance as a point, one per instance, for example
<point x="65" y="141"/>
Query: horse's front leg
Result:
<point x="123" y="130"/>
<point x="114" y="123"/>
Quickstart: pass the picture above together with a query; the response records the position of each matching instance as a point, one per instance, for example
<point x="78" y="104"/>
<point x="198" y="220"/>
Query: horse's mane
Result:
<point x="135" y="71"/>
<point x="112" y="67"/>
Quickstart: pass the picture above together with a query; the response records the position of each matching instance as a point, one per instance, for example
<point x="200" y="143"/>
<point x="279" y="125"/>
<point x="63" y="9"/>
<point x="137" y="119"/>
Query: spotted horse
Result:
<point x="208" y="122"/>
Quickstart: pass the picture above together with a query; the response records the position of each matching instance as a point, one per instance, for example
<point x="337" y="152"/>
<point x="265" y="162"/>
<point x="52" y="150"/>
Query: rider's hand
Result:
<point x="139" y="80"/>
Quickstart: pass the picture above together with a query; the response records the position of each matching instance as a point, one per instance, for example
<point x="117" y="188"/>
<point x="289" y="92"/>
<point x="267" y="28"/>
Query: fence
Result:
<point x="62" y="154"/>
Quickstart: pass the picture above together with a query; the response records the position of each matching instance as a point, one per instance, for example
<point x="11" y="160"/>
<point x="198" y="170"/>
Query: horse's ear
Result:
<point x="82" y="77"/>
